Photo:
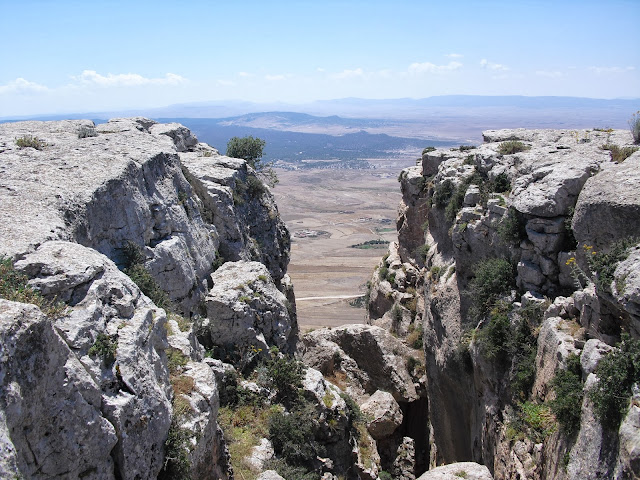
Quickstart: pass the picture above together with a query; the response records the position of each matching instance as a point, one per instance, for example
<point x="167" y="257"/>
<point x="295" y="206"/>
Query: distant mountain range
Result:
<point x="354" y="128"/>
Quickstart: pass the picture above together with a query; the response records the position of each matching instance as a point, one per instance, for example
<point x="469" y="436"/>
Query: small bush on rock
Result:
<point x="30" y="141"/>
<point x="619" y="154"/>
<point x="568" y="388"/>
<point x="512" y="146"/>
<point x="104" y="347"/>
<point x="604" y="264"/>
<point x="511" y="228"/>
<point x="14" y="286"/>
<point x="617" y="373"/>
<point x="293" y="437"/>
<point x="494" y="277"/>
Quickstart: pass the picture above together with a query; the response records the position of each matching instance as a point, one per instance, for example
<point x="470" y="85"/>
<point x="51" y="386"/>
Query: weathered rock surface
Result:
<point x="52" y="422"/>
<point x="371" y="358"/>
<point x="68" y="211"/>
<point x="609" y="205"/>
<point x="383" y="414"/>
<point x="482" y="204"/>
<point x="454" y="471"/>
<point x="134" y="386"/>
<point x="269" y="475"/>
<point x="245" y="310"/>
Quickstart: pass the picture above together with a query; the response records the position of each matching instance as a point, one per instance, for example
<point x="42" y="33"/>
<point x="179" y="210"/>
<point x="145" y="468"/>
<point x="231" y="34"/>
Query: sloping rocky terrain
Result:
<point x="516" y="265"/>
<point x="148" y="325"/>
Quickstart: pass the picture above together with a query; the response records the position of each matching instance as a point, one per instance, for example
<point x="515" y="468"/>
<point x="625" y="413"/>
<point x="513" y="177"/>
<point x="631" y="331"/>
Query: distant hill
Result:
<point x="297" y="147"/>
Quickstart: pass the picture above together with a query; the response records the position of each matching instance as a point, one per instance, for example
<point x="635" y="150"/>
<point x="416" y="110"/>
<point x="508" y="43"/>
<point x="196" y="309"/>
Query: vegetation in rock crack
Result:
<point x="634" y="126"/>
<point x="567" y="404"/>
<point x="396" y="318"/>
<point x="493" y="278"/>
<point x="443" y="192"/>
<point x="284" y="375"/>
<point x="570" y="242"/>
<point x="86" y="131"/>
<point x="251" y="149"/>
<point x="30" y="141"/>
<point x="293" y="435"/>
<point x="493" y="338"/>
<point x="14" y="286"/>
<point x="177" y="465"/>
<point x="511" y="228"/>
<point x="619" y="154"/>
<point x="512" y="146"/>
<point x="105" y="347"/>
<point x="617" y="373"/>
<point x="134" y="259"/>
<point x="604" y="264"/>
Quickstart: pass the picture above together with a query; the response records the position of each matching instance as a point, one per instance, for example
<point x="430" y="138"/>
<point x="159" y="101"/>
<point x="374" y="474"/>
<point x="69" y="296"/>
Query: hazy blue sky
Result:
<point x="75" y="56"/>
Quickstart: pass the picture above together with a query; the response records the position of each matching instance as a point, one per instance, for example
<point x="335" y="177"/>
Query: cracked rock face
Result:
<point x="43" y="379"/>
<point x="246" y="311"/>
<point x="67" y="212"/>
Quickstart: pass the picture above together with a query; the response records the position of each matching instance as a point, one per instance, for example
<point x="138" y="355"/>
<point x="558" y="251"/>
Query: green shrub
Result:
<point x="383" y="271"/>
<point x="464" y="148"/>
<point x="428" y="149"/>
<point x="501" y="183"/>
<point x="511" y="228"/>
<point x="604" y="264"/>
<point x="105" y="347"/>
<point x="385" y="475"/>
<point x="284" y="375"/>
<point x="456" y="201"/>
<point x="291" y="472"/>
<point x="616" y="372"/>
<point x="567" y="385"/>
<point x="619" y="154"/>
<point x="396" y="318"/>
<point x="493" y="338"/>
<point x="435" y="273"/>
<point x="255" y="187"/>
<point x="512" y="146"/>
<point x="14" y="286"/>
<point x="523" y="348"/>
<point x="634" y="126"/>
<point x="493" y="278"/>
<point x="293" y="436"/>
<point x="538" y="419"/>
<point x="423" y="251"/>
<point x="30" y="141"/>
<point x="148" y="285"/>
<point x="443" y="192"/>
<point x="177" y="465"/>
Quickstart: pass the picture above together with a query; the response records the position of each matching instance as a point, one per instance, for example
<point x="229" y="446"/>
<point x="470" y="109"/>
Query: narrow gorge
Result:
<point x="148" y="325"/>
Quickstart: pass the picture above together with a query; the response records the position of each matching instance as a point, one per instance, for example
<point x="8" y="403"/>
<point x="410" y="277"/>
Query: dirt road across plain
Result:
<point x="326" y="212"/>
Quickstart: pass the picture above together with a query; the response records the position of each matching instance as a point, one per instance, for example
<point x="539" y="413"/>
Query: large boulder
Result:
<point x="245" y="310"/>
<point x="107" y="308"/>
<point x="608" y="207"/>
<point x="371" y="358"/>
<point x="455" y="471"/>
<point x="51" y="423"/>
<point x="383" y="414"/>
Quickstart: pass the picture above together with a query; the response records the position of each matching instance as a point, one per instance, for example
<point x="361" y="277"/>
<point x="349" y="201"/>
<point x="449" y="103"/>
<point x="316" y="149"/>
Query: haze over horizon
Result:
<point x="72" y="56"/>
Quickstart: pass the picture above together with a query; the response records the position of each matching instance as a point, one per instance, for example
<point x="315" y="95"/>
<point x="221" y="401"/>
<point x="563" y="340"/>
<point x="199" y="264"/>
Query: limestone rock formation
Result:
<point x="454" y="471"/>
<point x="245" y="310"/>
<point x="383" y="414"/>
<point x="550" y="204"/>
<point x="115" y="387"/>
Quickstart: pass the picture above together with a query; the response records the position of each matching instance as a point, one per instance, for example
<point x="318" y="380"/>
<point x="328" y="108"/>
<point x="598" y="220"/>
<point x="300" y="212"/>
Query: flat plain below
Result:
<point x="327" y="211"/>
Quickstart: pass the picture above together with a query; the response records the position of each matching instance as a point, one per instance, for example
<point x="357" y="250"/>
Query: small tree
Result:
<point x="251" y="150"/>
